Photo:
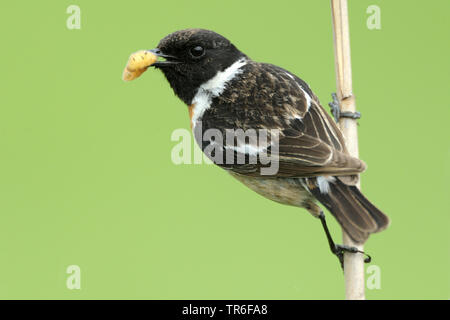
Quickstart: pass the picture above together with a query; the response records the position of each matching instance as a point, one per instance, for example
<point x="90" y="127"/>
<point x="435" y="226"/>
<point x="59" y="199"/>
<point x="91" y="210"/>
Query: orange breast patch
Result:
<point x="191" y="112"/>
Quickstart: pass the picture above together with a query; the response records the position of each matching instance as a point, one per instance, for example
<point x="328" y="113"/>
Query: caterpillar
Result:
<point x="138" y="64"/>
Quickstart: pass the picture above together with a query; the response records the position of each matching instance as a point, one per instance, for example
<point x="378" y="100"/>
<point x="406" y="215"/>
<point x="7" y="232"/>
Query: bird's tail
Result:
<point x="357" y="215"/>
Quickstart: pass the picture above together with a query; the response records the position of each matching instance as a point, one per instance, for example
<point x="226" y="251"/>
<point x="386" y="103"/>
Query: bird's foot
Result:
<point x="338" y="249"/>
<point x="336" y="110"/>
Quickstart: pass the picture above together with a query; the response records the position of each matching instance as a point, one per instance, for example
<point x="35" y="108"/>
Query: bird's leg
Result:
<point x="338" y="249"/>
<point x="336" y="110"/>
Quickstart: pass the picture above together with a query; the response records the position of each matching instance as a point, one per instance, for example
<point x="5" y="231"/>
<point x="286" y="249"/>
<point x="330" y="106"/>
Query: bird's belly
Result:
<point x="283" y="190"/>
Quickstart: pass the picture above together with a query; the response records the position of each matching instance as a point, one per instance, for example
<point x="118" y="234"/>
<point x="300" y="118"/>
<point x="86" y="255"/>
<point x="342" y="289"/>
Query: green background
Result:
<point x="86" y="176"/>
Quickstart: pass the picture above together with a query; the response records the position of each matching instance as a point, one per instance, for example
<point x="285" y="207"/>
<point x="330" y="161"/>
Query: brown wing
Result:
<point x="269" y="97"/>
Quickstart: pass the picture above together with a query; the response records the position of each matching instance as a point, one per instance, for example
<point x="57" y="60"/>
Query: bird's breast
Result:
<point x="283" y="190"/>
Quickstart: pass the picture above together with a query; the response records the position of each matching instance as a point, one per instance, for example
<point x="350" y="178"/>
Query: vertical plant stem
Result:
<point x="353" y="263"/>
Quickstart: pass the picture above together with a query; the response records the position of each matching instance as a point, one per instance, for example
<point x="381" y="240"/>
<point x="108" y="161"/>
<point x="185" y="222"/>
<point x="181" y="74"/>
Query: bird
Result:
<point x="226" y="91"/>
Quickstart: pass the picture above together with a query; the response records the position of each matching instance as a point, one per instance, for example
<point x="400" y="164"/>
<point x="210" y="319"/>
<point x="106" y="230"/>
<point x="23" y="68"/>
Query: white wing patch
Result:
<point x="249" y="149"/>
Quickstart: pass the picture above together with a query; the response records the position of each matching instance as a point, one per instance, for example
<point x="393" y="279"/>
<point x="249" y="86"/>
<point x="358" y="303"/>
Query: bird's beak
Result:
<point x="171" y="60"/>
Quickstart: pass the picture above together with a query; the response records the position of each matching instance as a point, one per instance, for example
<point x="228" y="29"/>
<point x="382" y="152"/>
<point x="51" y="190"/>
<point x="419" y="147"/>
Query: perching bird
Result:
<point x="225" y="90"/>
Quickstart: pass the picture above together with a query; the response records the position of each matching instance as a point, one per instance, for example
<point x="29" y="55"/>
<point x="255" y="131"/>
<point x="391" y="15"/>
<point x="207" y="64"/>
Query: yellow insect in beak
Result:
<point x="138" y="64"/>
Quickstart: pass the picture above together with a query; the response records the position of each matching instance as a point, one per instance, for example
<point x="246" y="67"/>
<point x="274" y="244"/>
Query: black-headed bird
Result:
<point x="226" y="91"/>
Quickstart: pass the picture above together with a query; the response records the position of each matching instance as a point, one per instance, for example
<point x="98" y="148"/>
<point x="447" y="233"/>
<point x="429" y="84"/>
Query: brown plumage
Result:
<point x="310" y="144"/>
<point x="313" y="161"/>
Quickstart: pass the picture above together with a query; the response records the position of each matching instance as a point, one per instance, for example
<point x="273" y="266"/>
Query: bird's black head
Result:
<point x="193" y="56"/>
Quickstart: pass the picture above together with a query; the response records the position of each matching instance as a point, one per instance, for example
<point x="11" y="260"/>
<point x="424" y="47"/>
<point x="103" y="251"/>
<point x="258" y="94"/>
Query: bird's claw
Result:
<point x="340" y="249"/>
<point x="336" y="110"/>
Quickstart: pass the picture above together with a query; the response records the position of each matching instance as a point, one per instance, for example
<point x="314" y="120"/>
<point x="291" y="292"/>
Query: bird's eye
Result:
<point x="197" y="51"/>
